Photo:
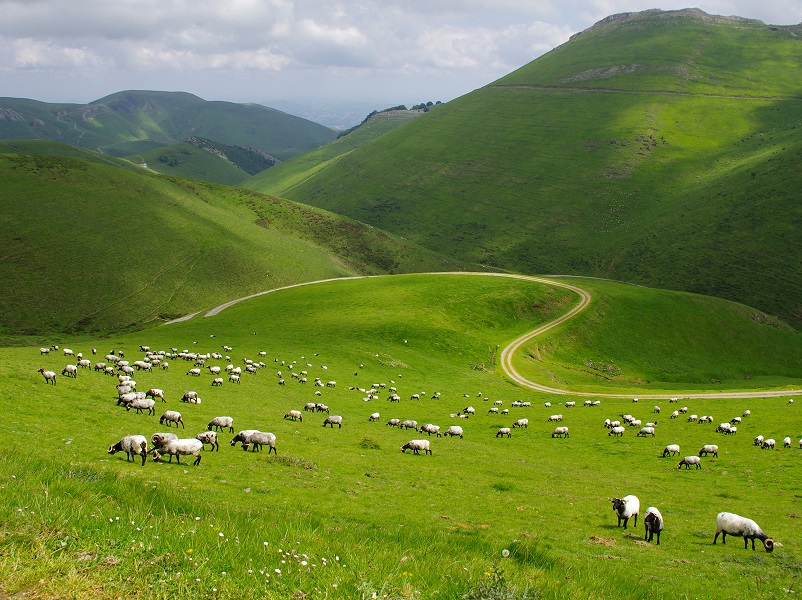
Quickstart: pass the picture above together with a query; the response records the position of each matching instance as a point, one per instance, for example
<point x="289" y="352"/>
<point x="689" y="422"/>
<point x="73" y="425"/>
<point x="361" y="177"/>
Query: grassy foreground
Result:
<point x="343" y="513"/>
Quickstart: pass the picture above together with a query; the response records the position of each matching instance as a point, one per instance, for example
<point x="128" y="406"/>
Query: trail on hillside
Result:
<point x="568" y="88"/>
<point x="509" y="351"/>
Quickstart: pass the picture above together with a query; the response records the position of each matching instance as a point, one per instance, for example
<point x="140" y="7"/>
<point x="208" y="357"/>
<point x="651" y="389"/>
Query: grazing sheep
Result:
<point x="625" y="508"/>
<point x="50" y="376"/>
<point x="187" y="446"/>
<point x="160" y="439"/>
<point x="171" y="416"/>
<point x="683" y="410"/>
<point x="334" y="420"/>
<point x="732" y="524"/>
<point x="221" y="423"/>
<point x="409" y="424"/>
<point x="259" y="439"/>
<point x="570" y="404"/>
<point x="311" y="406"/>
<point x="190" y="396"/>
<point x="70" y="371"/>
<point x="493" y="410"/>
<point x="758" y="441"/>
<point x="127" y="399"/>
<point x="616" y="431"/>
<point x="657" y="410"/>
<point x="217" y="381"/>
<point x="44" y="351"/>
<point x="233" y="378"/>
<point x="132" y="445"/>
<point x="430" y="429"/>
<point x="294" y="415"/>
<point x="521" y="423"/>
<point x="735" y="420"/>
<point x="99" y="366"/>
<point x="321" y="408"/>
<point x="690" y="460"/>
<point x="555" y="418"/>
<point x="215" y="370"/>
<point x="243" y="436"/>
<point x="547" y="404"/>
<point x="731" y="431"/>
<point x="374" y="417"/>
<point x="693" y="418"/>
<point x="560" y="432"/>
<point x="194" y="372"/>
<point x="769" y="443"/>
<point x="209" y="437"/>
<point x="674" y="415"/>
<point x="787" y="442"/>
<point x="653" y="521"/>
<point x="504" y="431"/>
<point x="457" y="430"/>
<point x="646" y="431"/>
<point x="84" y="363"/>
<point x="416" y="446"/>
<point x="155" y="393"/>
<point x="670" y="450"/>
<point x="141" y="404"/>
<point x="709" y="449"/>
<point x="394" y="422"/>
<point x="469" y="410"/>
<point x="723" y="428"/>
<point x="68" y="352"/>
<point x="746" y="413"/>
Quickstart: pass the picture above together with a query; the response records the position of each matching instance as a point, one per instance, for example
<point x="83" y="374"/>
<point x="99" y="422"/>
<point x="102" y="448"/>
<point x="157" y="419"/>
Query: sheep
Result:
<point x="128" y="398"/>
<point x="99" y="366"/>
<point x="769" y="443"/>
<point x="587" y="403"/>
<point x="731" y="431"/>
<point x="243" y="436"/>
<point x="635" y="423"/>
<point x="294" y="415"/>
<point x="416" y="446"/>
<point x="560" y="432"/>
<point x="615" y="424"/>
<point x="430" y="429"/>
<point x="331" y="384"/>
<point x="127" y="370"/>
<point x="215" y="370"/>
<point x="457" y="430"/>
<point x="310" y="406"/>
<point x="651" y="424"/>
<point x="160" y="439"/>
<point x="653" y="521"/>
<point x="141" y="365"/>
<point x="670" y="450"/>
<point x="190" y="396"/>
<point x="393" y="422"/>
<point x="504" y="431"/>
<point x="44" y="351"/>
<point x="690" y="460"/>
<point x="758" y="441"/>
<point x="187" y="446"/>
<point x="209" y="437"/>
<point x="68" y="352"/>
<point x="233" y="378"/>
<point x="709" y="449"/>
<point x="469" y="410"/>
<point x="171" y="416"/>
<point x="217" y="381"/>
<point x="645" y="431"/>
<point x="220" y="424"/>
<point x="321" y="408"/>
<point x="155" y="393"/>
<point x="657" y="410"/>
<point x="786" y="442"/>
<point x="165" y="365"/>
<point x="693" y="418"/>
<point x="570" y="404"/>
<point x="408" y="424"/>
<point x="555" y="418"/>
<point x="521" y="423"/>
<point x="374" y="417"/>
<point x="625" y="508"/>
<point x="70" y="371"/>
<point x="732" y="524"/>
<point x="723" y="428"/>
<point x="132" y="445"/>
<point x="142" y="404"/>
<point x="607" y="423"/>
<point x="194" y="372"/>
<point x="683" y="410"/>
<point x="674" y="415"/>
<point x="50" y="376"/>
<point x="746" y="413"/>
<point x="84" y="363"/>
<point x="616" y="431"/>
<point x="333" y="420"/>
<point x="259" y="439"/>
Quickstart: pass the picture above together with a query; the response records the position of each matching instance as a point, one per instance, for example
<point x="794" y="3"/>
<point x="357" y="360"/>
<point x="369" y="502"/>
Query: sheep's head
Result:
<point x="112" y="449"/>
<point x="768" y="544"/>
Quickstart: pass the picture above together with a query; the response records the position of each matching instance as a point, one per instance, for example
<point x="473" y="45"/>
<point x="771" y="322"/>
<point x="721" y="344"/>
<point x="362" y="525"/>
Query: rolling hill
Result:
<point x="660" y="148"/>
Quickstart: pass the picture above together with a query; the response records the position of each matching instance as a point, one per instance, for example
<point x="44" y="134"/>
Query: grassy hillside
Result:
<point x="189" y="161"/>
<point x="90" y="246"/>
<point x="117" y="123"/>
<point x="482" y="517"/>
<point x="660" y="149"/>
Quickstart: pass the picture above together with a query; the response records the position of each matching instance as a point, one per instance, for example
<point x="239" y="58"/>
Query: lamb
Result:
<point x="416" y="446"/>
<point x="625" y="508"/>
<point x="374" y="417"/>
<point x="709" y="449"/>
<point x="769" y="443"/>
<point x="132" y="445"/>
<point x="430" y="429"/>
<point x="646" y="431"/>
<point x="690" y="460"/>
<point x="616" y="431"/>
<point x="209" y="437"/>
<point x="521" y="423"/>
<point x="457" y="430"/>
<point x="732" y="524"/>
<point x="334" y="420"/>
<point x="221" y="423"/>
<point x="160" y="439"/>
<point x="70" y="371"/>
<point x="187" y="446"/>
<point x="155" y="393"/>
<point x="787" y="442"/>
<point x="560" y="432"/>
<point x="504" y="431"/>
<point x="171" y="416"/>
<point x="50" y="376"/>
<point x="294" y="415"/>
<point x="670" y="450"/>
<point x="259" y="439"/>
<point x="653" y="521"/>
<point x="141" y="404"/>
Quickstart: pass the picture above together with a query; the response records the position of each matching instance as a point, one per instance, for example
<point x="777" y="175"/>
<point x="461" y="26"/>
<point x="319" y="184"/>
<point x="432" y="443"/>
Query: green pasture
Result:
<point x="343" y="513"/>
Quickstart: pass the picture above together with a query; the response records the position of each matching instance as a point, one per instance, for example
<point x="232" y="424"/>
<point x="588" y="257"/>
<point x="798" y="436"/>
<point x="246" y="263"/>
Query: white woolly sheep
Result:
<point x="693" y="418"/>
<point x="155" y="393"/>
<point x="259" y="439"/>
<point x="625" y="508"/>
<point x="457" y="430"/>
<point x="294" y="415"/>
<point x="132" y="445"/>
<point x="141" y="404"/>
<point x="521" y="423"/>
<point x="334" y="420"/>
<point x="194" y="372"/>
<point x="160" y="439"/>
<point x="99" y="366"/>
<point x="68" y="352"/>
<point x="732" y="524"/>
<point x="746" y="413"/>
<point x="416" y="446"/>
<point x="570" y="404"/>
<point x="607" y="423"/>
<point x="171" y="416"/>
<point x="560" y="432"/>
<point x="731" y="431"/>
<point x="233" y="378"/>
<point x="128" y="398"/>
<point x="657" y="410"/>
<point x="70" y="371"/>
<point x="690" y="460"/>
<point x="504" y="431"/>
<point x="723" y="428"/>
<point x="374" y="417"/>
<point x="84" y="363"/>
<point x="547" y="404"/>
<point x="243" y="436"/>
<point x="189" y="396"/>
<point x="217" y="381"/>
<point x="646" y="431"/>
<point x="758" y="441"/>
<point x="469" y="410"/>
<point x="670" y="450"/>
<point x="321" y="408"/>
<point x="709" y="449"/>
<point x="769" y="443"/>
<point x="616" y="431"/>
<point x="653" y="521"/>
<point x="186" y="447"/>
<point x="683" y="410"/>
<point x="674" y="415"/>
<point x="209" y="437"/>
<point x="44" y="351"/>
<point x="408" y="424"/>
<point x="787" y="442"/>
<point x="555" y="418"/>
<point x="220" y="424"/>
<point x="50" y="376"/>
<point x="493" y="410"/>
<point x="394" y="422"/>
<point x="430" y="429"/>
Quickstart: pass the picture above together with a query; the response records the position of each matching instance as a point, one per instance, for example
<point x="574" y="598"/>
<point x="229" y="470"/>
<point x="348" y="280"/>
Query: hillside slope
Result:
<point x="92" y="246"/>
<point x="660" y="148"/>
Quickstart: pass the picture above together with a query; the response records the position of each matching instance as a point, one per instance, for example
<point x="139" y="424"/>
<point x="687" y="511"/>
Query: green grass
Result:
<point x="679" y="171"/>
<point x="83" y="524"/>
<point x="189" y="161"/>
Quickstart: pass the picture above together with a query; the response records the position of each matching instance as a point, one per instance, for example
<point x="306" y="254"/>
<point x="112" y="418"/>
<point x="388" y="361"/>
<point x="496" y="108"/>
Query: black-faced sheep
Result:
<point x="560" y="432"/>
<point x="504" y="431"/>
<point x="70" y="371"/>
<point x="709" y="449"/>
<point x="670" y="450"/>
<point x="155" y="393"/>
<point x="653" y="521"/>
<point x="416" y="446"/>
<point x="220" y="424"/>
<point x="456" y="430"/>
<point x="625" y="508"/>
<point x="258" y="439"/>
<point x="690" y="460"/>
<point x="188" y="446"/>
<point x="732" y="524"/>
<point x="132" y="445"/>
<point x="209" y="437"/>
<point x="50" y="376"/>
<point x="334" y="420"/>
<point x="374" y="417"/>
<point x="141" y="404"/>
<point x="171" y="416"/>
<point x="430" y="429"/>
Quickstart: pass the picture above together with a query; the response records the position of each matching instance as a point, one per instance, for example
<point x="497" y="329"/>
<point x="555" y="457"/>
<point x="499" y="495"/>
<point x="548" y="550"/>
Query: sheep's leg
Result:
<point x="273" y="450"/>
<point x="197" y="460"/>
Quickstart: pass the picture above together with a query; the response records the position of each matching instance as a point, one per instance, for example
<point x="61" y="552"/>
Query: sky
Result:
<point x="382" y="52"/>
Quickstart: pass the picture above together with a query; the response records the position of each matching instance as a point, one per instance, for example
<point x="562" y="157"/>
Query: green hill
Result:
<point x="119" y="124"/>
<point x="92" y="243"/>
<point x="660" y="148"/>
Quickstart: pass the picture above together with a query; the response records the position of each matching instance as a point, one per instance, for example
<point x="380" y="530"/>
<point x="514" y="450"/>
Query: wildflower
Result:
<point x="221" y="534"/>
<point x="189" y="551"/>
<point x="505" y="553"/>
<point x="197" y="518"/>
<point x="304" y="563"/>
<point x="197" y="580"/>
<point x="250" y="571"/>
<point x="278" y="571"/>
<point x="223" y="573"/>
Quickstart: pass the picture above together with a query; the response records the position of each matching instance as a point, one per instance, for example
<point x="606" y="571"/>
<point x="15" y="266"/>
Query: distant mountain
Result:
<point x="660" y="148"/>
<point x="128" y="122"/>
